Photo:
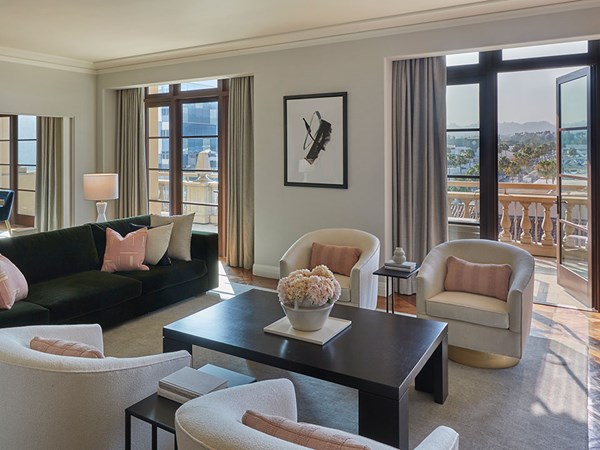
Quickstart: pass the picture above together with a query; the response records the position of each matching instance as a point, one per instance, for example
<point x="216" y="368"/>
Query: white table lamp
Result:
<point x="101" y="187"/>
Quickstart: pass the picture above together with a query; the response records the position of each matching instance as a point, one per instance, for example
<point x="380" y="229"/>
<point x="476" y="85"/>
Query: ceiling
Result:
<point x="97" y="31"/>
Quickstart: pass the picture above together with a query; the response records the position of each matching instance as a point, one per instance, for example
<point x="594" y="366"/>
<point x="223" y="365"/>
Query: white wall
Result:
<point x="359" y="67"/>
<point x="27" y="89"/>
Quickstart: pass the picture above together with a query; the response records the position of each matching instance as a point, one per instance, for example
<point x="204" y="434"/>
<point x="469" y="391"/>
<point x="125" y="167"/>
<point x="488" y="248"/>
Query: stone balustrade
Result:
<point x="527" y="212"/>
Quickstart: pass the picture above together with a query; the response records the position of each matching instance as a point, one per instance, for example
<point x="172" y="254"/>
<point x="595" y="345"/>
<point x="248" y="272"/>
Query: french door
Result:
<point x="574" y="224"/>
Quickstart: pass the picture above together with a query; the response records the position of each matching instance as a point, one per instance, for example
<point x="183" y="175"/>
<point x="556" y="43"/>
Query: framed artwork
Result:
<point x="315" y="140"/>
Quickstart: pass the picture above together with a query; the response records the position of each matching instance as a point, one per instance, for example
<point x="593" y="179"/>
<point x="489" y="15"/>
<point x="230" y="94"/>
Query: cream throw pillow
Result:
<point x="158" y="243"/>
<point x="180" y="244"/>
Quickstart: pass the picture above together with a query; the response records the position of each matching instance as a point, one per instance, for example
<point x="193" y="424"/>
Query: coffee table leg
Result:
<point x="433" y="377"/>
<point x="387" y="293"/>
<point x="383" y="419"/>
<point x="172" y="345"/>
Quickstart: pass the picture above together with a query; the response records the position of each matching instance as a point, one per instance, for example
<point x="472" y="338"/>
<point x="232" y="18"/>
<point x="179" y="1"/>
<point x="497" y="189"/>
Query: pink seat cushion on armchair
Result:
<point x="13" y="285"/>
<point x="491" y="280"/>
<point x="125" y="253"/>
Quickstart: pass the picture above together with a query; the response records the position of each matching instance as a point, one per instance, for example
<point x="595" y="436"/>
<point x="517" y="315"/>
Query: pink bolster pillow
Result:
<point x="65" y="348"/>
<point x="311" y="436"/>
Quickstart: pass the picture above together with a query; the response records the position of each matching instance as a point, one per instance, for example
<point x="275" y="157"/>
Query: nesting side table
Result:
<point x="391" y="275"/>
<point x="160" y="412"/>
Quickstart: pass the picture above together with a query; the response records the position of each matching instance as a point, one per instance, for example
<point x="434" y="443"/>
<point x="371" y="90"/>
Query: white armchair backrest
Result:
<point x="53" y="401"/>
<point x="298" y="255"/>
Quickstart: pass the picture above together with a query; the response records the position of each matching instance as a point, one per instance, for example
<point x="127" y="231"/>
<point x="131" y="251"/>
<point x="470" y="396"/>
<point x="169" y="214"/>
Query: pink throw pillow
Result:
<point x="337" y="258"/>
<point x="125" y="253"/>
<point x="65" y="348"/>
<point x="311" y="436"/>
<point x="13" y="285"/>
<point x="491" y="280"/>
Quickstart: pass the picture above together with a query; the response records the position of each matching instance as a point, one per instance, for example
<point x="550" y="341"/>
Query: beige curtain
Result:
<point x="49" y="174"/>
<point x="131" y="154"/>
<point x="240" y="174"/>
<point x="419" y="158"/>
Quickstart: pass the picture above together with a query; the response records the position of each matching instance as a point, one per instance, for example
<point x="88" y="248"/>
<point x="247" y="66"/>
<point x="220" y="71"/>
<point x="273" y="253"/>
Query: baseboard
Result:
<point x="381" y="288"/>
<point x="261" y="270"/>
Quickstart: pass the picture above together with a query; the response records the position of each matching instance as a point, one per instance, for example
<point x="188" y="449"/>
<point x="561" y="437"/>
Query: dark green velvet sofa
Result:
<point x="62" y="269"/>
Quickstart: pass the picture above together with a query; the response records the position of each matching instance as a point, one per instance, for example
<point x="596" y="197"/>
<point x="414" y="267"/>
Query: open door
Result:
<point x="574" y="185"/>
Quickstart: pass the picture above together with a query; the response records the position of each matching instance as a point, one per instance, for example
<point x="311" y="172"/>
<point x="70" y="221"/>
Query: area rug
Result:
<point x="540" y="403"/>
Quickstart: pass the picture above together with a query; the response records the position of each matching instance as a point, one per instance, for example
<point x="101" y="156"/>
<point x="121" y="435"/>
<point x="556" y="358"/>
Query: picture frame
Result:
<point x="315" y="140"/>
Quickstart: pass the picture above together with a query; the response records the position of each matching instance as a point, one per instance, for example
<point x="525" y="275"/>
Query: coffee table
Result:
<point x="379" y="354"/>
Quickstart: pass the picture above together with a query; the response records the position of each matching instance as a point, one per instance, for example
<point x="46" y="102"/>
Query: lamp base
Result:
<point x="101" y="208"/>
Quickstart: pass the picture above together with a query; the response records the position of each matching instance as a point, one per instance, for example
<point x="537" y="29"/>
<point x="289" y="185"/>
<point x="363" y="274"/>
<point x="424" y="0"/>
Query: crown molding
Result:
<point x="48" y="61"/>
<point x="469" y="14"/>
<point x="481" y="12"/>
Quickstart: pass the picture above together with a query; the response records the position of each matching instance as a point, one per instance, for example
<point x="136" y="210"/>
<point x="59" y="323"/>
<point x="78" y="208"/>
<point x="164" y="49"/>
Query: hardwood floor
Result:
<point x="564" y="325"/>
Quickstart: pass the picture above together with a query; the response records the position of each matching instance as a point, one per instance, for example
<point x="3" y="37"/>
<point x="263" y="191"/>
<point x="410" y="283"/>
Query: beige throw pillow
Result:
<point x="180" y="244"/>
<point x="157" y="243"/>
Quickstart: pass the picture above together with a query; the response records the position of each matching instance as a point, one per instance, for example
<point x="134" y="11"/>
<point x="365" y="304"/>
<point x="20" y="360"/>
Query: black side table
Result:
<point x="393" y="275"/>
<point x="160" y="412"/>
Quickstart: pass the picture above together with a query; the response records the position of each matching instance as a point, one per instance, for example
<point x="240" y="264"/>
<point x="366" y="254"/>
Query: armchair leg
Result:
<point x="8" y="227"/>
<point x="481" y="360"/>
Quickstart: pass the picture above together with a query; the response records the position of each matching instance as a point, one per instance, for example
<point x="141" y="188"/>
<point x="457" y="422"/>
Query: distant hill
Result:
<point x="510" y="128"/>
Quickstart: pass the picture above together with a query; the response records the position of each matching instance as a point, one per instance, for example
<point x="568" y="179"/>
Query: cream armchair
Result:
<point x="360" y="288"/>
<point x="68" y="403"/>
<point x="482" y="331"/>
<point x="214" y="421"/>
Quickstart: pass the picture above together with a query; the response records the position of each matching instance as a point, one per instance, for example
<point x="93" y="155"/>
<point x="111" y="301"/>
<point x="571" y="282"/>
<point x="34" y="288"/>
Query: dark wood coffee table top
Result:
<point x="379" y="353"/>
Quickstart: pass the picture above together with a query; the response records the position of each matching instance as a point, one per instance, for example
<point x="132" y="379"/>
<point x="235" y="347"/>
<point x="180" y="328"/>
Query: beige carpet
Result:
<point x="539" y="404"/>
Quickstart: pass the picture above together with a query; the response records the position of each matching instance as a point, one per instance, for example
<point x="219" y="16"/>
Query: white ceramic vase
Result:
<point x="307" y="319"/>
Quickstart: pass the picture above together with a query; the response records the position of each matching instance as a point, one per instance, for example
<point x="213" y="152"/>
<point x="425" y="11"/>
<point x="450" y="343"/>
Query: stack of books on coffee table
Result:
<point x="188" y="383"/>
<point x="406" y="266"/>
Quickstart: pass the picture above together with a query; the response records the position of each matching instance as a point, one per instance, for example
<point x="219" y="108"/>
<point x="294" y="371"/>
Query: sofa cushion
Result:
<point x="24" y="313"/>
<point x="82" y="293"/>
<point x="125" y="253"/>
<point x="13" y="286"/>
<point x="52" y="254"/>
<point x="473" y="308"/>
<point x="162" y="277"/>
<point x="121" y="226"/>
<point x="181" y="236"/>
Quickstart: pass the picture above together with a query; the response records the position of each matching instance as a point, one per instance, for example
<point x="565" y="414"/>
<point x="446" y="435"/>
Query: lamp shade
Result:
<point x="100" y="186"/>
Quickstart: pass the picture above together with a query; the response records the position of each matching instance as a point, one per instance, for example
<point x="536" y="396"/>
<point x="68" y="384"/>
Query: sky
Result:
<point x="522" y="97"/>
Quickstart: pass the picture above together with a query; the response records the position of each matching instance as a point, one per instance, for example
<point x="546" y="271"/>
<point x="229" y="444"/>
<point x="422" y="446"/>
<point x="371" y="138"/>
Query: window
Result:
<point x="462" y="59"/>
<point x="185" y="131"/>
<point x="462" y="113"/>
<point x="540" y="51"/>
<point x="18" y="155"/>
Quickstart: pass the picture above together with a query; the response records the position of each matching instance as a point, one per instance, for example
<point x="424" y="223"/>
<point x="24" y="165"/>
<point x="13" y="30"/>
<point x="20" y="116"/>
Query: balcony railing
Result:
<point x="527" y="212"/>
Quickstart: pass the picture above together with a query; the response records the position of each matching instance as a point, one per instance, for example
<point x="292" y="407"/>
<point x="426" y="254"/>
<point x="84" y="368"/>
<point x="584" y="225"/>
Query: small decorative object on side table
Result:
<point x="160" y="412"/>
<point x="394" y="274"/>
<point x="307" y="297"/>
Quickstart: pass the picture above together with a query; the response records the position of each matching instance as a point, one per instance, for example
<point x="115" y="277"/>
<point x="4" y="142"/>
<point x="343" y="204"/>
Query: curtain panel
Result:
<point x="49" y="174"/>
<point x="240" y="173"/>
<point x="131" y="153"/>
<point x="419" y="158"/>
